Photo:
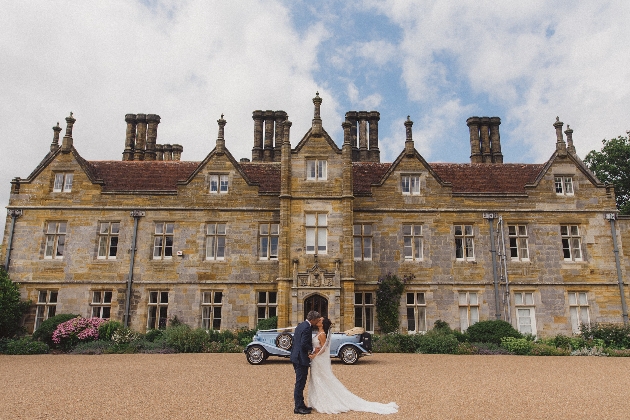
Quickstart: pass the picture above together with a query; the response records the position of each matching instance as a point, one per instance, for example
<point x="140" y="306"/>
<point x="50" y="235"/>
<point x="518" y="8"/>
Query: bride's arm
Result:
<point x="321" y="337"/>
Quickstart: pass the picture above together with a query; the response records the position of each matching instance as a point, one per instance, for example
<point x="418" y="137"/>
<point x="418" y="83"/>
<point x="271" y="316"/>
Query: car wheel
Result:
<point x="349" y="355"/>
<point x="284" y="341"/>
<point x="256" y="355"/>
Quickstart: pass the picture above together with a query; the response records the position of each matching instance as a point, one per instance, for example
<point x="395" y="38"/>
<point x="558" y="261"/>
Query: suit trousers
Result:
<point x="301" y="373"/>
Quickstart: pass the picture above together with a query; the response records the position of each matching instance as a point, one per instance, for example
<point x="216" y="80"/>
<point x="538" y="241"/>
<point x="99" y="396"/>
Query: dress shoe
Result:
<point x="301" y="410"/>
<point x="309" y="408"/>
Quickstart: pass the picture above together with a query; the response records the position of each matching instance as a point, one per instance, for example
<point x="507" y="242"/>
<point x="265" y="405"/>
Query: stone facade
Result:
<point x="222" y="243"/>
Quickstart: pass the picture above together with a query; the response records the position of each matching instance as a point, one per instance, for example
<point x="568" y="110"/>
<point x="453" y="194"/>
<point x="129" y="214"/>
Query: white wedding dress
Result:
<point x="326" y="393"/>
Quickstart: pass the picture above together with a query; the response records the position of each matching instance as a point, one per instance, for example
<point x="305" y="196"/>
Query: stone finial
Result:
<point x="66" y="144"/>
<point x="317" y="120"/>
<point x="561" y="147"/>
<point x="220" y="138"/>
<point x="55" y="141"/>
<point x="409" y="147"/>
<point x="569" y="133"/>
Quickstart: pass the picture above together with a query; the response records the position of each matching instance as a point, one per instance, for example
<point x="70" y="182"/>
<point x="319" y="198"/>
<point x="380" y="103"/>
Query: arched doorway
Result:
<point x="316" y="303"/>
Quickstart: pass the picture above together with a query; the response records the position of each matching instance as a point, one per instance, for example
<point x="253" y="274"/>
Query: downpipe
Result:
<point x="624" y="308"/>
<point x="14" y="213"/>
<point x="136" y="214"/>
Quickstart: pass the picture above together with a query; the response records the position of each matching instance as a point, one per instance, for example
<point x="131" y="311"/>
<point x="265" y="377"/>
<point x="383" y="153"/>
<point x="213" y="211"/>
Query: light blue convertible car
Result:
<point x="347" y="346"/>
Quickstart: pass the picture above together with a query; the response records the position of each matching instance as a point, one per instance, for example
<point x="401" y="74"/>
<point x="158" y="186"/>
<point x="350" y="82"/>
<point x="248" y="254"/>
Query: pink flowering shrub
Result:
<point x="68" y="334"/>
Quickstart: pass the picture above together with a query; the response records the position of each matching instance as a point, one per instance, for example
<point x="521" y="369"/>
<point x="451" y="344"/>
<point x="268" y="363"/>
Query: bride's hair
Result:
<point x="326" y="323"/>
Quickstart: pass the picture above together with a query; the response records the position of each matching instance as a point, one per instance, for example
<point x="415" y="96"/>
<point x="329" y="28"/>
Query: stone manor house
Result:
<point x="221" y="243"/>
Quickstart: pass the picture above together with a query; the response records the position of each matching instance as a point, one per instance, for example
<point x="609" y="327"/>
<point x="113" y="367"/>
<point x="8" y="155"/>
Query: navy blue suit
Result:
<point x="302" y="346"/>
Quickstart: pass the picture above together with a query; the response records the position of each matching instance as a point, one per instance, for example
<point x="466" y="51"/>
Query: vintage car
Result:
<point x="348" y="346"/>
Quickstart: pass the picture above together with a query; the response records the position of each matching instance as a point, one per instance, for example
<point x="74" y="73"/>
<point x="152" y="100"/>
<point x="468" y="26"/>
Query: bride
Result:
<point x="326" y="393"/>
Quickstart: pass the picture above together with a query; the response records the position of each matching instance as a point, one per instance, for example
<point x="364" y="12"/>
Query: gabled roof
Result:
<point x="488" y="178"/>
<point x="265" y="175"/>
<point x="366" y="174"/>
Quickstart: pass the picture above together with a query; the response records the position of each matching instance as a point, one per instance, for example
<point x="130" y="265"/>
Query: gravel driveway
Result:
<point x="225" y="386"/>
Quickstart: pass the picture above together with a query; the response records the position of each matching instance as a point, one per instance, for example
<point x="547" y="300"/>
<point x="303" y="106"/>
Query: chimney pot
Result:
<point x="409" y="146"/>
<point x="130" y="138"/>
<point x="153" y="120"/>
<point x="257" y="151"/>
<point x="495" y="140"/>
<point x="168" y="152"/>
<point x="177" y="151"/>
<point x="141" y="139"/>
<point x="159" y="152"/>
<point x="561" y="146"/>
<point x="570" y="146"/>
<point x="55" y="142"/>
<point x="66" y="144"/>
<point x="475" y="141"/>
<point x="220" y="148"/>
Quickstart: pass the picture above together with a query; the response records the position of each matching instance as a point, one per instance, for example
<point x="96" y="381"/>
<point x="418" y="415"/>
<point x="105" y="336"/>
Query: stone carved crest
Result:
<point x="316" y="277"/>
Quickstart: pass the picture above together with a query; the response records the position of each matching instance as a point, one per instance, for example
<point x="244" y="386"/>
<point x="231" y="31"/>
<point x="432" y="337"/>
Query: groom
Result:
<point x="301" y="359"/>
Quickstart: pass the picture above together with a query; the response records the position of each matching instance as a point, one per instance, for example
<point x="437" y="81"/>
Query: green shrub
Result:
<point x="520" y="346"/>
<point x="186" y="340"/>
<point x="45" y="331"/>
<point x="568" y="343"/>
<point x="12" y="308"/>
<point x="106" y="329"/>
<point x="267" y="323"/>
<point x="26" y="345"/>
<point x="491" y="331"/>
<point x="153" y="335"/>
<point x="542" y="349"/>
<point x="615" y="336"/>
<point x="437" y="342"/>
<point x="4" y="341"/>
<point x="245" y="336"/>
<point x="388" y="295"/>
<point x="618" y="353"/>
<point x="124" y="335"/>
<point x="93" y="347"/>
<point x="466" y="348"/>
<point x="385" y="343"/>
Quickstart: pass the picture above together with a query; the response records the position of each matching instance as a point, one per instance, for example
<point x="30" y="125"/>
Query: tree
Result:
<point x="612" y="165"/>
<point x="388" y="295"/>
<point x="11" y="307"/>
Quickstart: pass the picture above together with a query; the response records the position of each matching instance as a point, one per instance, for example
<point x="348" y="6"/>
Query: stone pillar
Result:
<point x="220" y="137"/>
<point x="409" y="146"/>
<point x="373" y="118"/>
<point x="363" y="140"/>
<point x="152" y="121"/>
<point x="281" y="117"/>
<point x="168" y="152"/>
<point x="485" y="140"/>
<point x="130" y="139"/>
<point x="317" y="119"/>
<point x="66" y="143"/>
<point x="268" y="151"/>
<point x="141" y="125"/>
<point x="177" y="151"/>
<point x="55" y="141"/>
<point x="495" y="140"/>
<point x="570" y="146"/>
<point x="257" y="151"/>
<point x="475" y="149"/>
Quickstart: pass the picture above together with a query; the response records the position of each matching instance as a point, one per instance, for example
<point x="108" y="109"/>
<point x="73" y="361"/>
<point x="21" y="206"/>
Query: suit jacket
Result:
<point x="302" y="344"/>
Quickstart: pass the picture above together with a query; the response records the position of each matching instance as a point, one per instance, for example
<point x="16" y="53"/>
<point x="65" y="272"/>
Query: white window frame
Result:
<point x="364" y="310"/>
<point x="266" y="304"/>
<point x="163" y="240"/>
<point x="410" y="184"/>
<point x="316" y="170"/>
<point x="416" y="312"/>
<point x="101" y="304"/>
<point x="216" y="238"/>
<point x="316" y="233"/>
<point x="55" y="240"/>
<point x="63" y="182"/>
<point x="363" y="243"/>
<point x="563" y="185"/>
<point x="518" y="242"/>
<point x="46" y="306"/>
<point x="108" y="240"/>
<point x="578" y="310"/>
<point x="525" y="307"/>
<point x="571" y="242"/>
<point x="464" y="241"/>
<point x="158" y="304"/>
<point x="268" y="241"/>
<point x="468" y="309"/>
<point x="211" y="309"/>
<point x="413" y="242"/>
<point x="219" y="184"/>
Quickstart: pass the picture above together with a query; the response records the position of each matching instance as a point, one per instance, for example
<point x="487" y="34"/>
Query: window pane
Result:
<point x="164" y="297"/>
<point x="522" y="230"/>
<point x="106" y="312"/>
<point x="169" y="227"/>
<point x="518" y="298"/>
<point x="262" y="297"/>
<point x="218" y="296"/>
<point x="272" y="297"/>
<point x="212" y="229"/>
<point x="264" y="242"/>
<point x="358" y="298"/>
<point x="410" y="299"/>
<point x="272" y="311"/>
<point x="68" y="184"/>
<point x="367" y="248"/>
<point x="322" y="220"/>
<point x="572" y="298"/>
<point x="220" y="228"/>
<point x="358" y="316"/>
<point x="367" y="230"/>
<point x="321" y="239"/>
<point x="52" y="310"/>
<point x="53" y="297"/>
<point x="115" y="228"/>
<point x="473" y="298"/>
<point x="407" y="230"/>
<point x="168" y="248"/>
<point x="113" y="246"/>
<point x="96" y="297"/>
<point x="264" y="229"/>
<point x="474" y="315"/>
<point x="463" y="299"/>
<point x="564" y="230"/>
<point x="368" y="299"/>
<point x="153" y="296"/>
<point x="220" y="246"/>
<point x="583" y="300"/>
<point x="275" y="229"/>
<point x="574" y="231"/>
<point x="274" y="247"/>
<point x="357" y="248"/>
<point x="210" y="247"/>
<point x="310" y="219"/>
<point x="420" y="299"/>
<point x="61" y="241"/>
<point x="411" y="321"/>
<point x="96" y="312"/>
<point x="422" y="322"/>
<point x="458" y="230"/>
<point x="529" y="298"/>
<point x="102" y="246"/>
<point x="511" y="230"/>
<point x="58" y="182"/>
<point x="159" y="228"/>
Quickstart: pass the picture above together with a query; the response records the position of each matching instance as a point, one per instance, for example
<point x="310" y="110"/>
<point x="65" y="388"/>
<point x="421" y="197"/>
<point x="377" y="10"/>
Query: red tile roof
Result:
<point x="138" y="176"/>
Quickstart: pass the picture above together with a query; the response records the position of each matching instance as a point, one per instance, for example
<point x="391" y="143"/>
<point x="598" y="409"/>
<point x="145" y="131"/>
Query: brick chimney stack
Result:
<point x="485" y="140"/>
<point x="55" y="142"/>
<point x="66" y="143"/>
<point x="152" y="121"/>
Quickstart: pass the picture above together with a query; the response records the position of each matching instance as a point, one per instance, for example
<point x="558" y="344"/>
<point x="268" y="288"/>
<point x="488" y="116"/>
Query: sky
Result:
<point x="189" y="61"/>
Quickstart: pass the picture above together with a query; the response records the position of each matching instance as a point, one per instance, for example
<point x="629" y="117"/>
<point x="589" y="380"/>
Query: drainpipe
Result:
<point x="136" y="214"/>
<point x="14" y="213"/>
<point x="624" y="308"/>
<point x="493" y="251"/>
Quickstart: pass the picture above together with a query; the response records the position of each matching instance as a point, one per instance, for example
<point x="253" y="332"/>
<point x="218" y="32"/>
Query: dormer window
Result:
<point x="316" y="170"/>
<point x="63" y="182"/>
<point x="219" y="184"/>
<point x="564" y="185"/>
<point x="410" y="184"/>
